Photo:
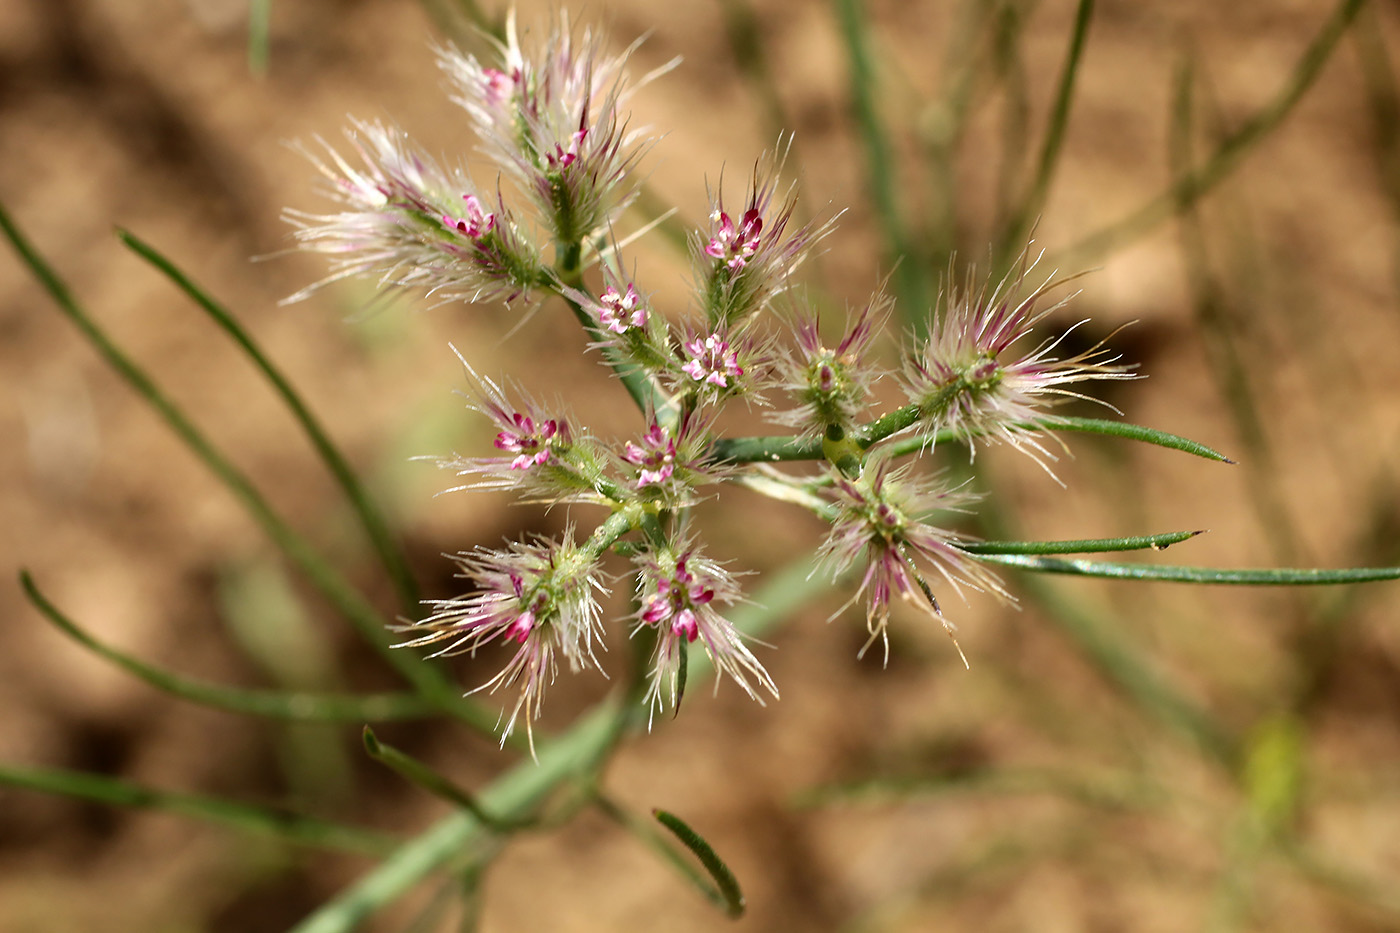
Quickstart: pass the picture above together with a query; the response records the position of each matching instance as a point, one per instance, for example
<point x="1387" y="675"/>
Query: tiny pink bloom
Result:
<point x="736" y="246"/>
<point x="478" y="221"/>
<point x="619" y="312"/>
<point x="656" y="456"/>
<point x="530" y="443"/>
<point x="712" y="361"/>
<point x="497" y="86"/>
<point x="980" y="375"/>
<point x="879" y="520"/>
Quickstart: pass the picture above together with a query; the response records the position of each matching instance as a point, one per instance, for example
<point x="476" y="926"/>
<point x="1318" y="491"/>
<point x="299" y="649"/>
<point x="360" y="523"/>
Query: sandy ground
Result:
<point x="144" y="116"/>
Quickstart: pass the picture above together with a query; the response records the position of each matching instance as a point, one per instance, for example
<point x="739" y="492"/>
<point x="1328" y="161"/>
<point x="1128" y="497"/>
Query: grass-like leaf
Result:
<point x="346" y="599"/>
<point x="425" y="777"/>
<point x="726" y="893"/>
<point x="374" y="524"/>
<point x="288" y="827"/>
<point x="778" y="448"/>
<point x="272" y="704"/>
<point x="1267" y="576"/>
<point x="1018" y="228"/>
<point x="1228" y="155"/>
<point x="1080" y="545"/>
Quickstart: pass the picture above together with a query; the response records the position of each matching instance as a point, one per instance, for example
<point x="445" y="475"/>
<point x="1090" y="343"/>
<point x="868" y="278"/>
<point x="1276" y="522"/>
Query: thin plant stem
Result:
<point x="286" y="827"/>
<point x="338" y="591"/>
<point x="1228" y="156"/>
<point x="879" y="157"/>
<point x="371" y="519"/>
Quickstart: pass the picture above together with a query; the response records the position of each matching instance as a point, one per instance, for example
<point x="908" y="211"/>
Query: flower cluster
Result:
<point x="549" y="114"/>
<point x="680" y="595"/>
<point x="537" y="600"/>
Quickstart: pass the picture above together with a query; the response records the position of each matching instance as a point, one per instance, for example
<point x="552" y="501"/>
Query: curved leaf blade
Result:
<point x="288" y="827"/>
<point x="272" y="704"/>
<point x="1268" y="576"/>
<point x="728" y="895"/>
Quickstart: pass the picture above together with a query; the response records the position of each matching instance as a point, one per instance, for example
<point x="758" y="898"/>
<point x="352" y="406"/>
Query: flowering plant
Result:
<point x="551" y="114"/>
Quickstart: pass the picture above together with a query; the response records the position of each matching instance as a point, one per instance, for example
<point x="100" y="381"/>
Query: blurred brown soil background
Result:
<point x="145" y="116"/>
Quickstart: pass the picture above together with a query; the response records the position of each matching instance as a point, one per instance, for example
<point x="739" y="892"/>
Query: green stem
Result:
<point x="272" y="704"/>
<point x="1228" y="155"/>
<point x="375" y="526"/>
<point x="880" y="174"/>
<point x="286" y="827"/>
<point x="337" y="590"/>
<point x="1013" y="238"/>
<point x="512" y="796"/>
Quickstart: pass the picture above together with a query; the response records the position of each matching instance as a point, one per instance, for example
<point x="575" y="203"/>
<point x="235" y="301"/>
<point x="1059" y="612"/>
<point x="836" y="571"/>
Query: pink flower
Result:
<point x="832" y="385"/>
<point x="478" y="221"/>
<point x="552" y="116"/>
<point x="679" y="596"/>
<point x="396" y="223"/>
<point x="544" y="460"/>
<point x="735" y="245"/>
<point x="530" y="444"/>
<point x="657" y="457"/>
<point x="741" y="267"/>
<point x="619" y="312"/>
<point x="711" y="361"/>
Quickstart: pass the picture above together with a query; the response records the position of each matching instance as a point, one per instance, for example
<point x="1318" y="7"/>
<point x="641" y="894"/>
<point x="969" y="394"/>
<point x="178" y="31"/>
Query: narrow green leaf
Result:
<point x="290" y="828"/>
<point x="1134" y="432"/>
<point x="418" y="773"/>
<point x="780" y="448"/>
<point x="1080" y="546"/>
<point x="1019" y="227"/>
<point x="273" y="704"/>
<point x="371" y="520"/>
<point x="881" y="170"/>
<point x="347" y="600"/>
<point x="259" y="22"/>
<point x="730" y="897"/>
<point x="1228" y="155"/>
<point x="1306" y="576"/>
<point x="647" y="833"/>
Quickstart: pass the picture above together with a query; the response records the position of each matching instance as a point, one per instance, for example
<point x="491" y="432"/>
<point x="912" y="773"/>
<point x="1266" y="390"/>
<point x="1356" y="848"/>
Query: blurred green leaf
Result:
<point x="273" y="704"/>
<point x="1269" y="576"/>
<point x="1080" y="546"/>
<point x="375" y="526"/>
<point x="727" y="893"/>
<point x="289" y="828"/>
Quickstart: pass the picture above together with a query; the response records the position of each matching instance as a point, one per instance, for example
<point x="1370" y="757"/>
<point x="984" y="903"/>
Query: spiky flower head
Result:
<point x="551" y="115"/>
<point x="411" y="223"/>
<point x="831" y="385"/>
<point x="681" y="592"/>
<point x="880" y="520"/>
<point x="969" y="378"/>
<point x="535" y="599"/>
<point x="540" y="455"/>
<point x="623" y="320"/>
<point x="670" y="459"/>
<point x="724" y="363"/>
<point x="747" y="254"/>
